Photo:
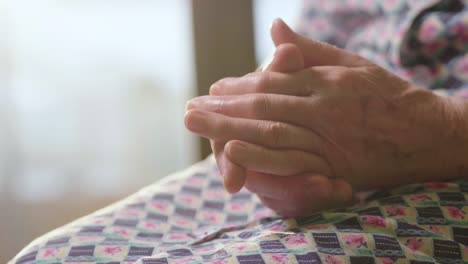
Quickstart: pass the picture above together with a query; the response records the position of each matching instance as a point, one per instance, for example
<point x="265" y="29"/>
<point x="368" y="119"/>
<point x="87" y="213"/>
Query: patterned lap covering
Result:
<point x="189" y="218"/>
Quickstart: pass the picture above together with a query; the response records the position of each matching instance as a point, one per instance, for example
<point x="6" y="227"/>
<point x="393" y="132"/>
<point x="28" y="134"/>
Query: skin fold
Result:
<point x="320" y="121"/>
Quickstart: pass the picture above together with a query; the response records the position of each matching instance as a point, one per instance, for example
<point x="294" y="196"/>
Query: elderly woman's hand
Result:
<point x="294" y="195"/>
<point x="343" y="118"/>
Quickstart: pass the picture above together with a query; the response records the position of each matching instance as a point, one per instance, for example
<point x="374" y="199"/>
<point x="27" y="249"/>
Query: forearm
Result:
<point x="438" y="147"/>
<point x="456" y="153"/>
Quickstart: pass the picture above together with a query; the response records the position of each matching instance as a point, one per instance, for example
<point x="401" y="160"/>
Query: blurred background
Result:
<point x="92" y="97"/>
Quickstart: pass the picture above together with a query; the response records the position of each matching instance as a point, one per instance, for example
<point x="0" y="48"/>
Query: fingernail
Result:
<point x="214" y="89"/>
<point x="240" y="144"/>
<point x="234" y="147"/>
<point x="195" y="120"/>
<point x="190" y="104"/>
<point x="276" y="20"/>
<point x="207" y="103"/>
<point x="195" y="102"/>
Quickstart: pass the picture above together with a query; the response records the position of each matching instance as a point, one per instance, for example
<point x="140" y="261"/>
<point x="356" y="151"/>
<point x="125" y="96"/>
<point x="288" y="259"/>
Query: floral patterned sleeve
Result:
<point x="436" y="47"/>
<point x="422" y="41"/>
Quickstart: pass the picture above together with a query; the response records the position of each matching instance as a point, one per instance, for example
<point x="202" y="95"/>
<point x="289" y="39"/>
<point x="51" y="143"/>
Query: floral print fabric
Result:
<point x="423" y="41"/>
<point x="189" y="218"/>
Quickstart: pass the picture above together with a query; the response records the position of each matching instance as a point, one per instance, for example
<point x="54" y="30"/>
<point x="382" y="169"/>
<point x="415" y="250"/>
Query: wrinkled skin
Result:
<point x="306" y="130"/>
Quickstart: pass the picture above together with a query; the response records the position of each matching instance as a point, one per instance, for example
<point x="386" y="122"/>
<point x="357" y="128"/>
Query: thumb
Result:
<point x="315" y="53"/>
<point x="287" y="58"/>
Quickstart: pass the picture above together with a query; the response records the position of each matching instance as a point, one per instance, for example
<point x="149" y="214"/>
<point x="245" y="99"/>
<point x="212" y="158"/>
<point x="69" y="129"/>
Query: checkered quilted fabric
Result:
<point x="189" y="218"/>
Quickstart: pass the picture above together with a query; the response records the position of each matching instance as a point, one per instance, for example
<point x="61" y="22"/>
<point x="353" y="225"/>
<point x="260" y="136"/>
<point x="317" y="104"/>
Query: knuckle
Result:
<point x="221" y="127"/>
<point x="307" y="77"/>
<point x="261" y="105"/>
<point x="345" y="78"/>
<point x="262" y="82"/>
<point x="219" y="107"/>
<point x="275" y="132"/>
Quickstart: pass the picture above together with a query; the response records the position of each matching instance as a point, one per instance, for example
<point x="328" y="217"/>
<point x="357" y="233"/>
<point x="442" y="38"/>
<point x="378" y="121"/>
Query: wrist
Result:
<point x="457" y="114"/>
<point x="440" y="140"/>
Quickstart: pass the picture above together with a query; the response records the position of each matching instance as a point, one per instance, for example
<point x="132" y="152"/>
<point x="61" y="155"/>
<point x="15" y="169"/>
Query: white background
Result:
<point x="92" y="93"/>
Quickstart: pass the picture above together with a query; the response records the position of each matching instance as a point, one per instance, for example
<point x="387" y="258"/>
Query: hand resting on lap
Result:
<point x="306" y="192"/>
<point x="340" y="119"/>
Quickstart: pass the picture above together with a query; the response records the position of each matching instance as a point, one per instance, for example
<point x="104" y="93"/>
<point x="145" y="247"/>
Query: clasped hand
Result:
<point x="316" y="124"/>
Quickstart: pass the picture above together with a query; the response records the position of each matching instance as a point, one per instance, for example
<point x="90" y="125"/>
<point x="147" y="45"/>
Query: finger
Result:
<point x="294" y="187"/>
<point x="287" y="58"/>
<point x="315" y="53"/>
<point x="272" y="161"/>
<point x="282" y="207"/>
<point x="301" y="83"/>
<point x="311" y="193"/>
<point x="267" y="133"/>
<point x="273" y="107"/>
<point x="300" y="187"/>
<point x="218" y="151"/>
<point x="233" y="174"/>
